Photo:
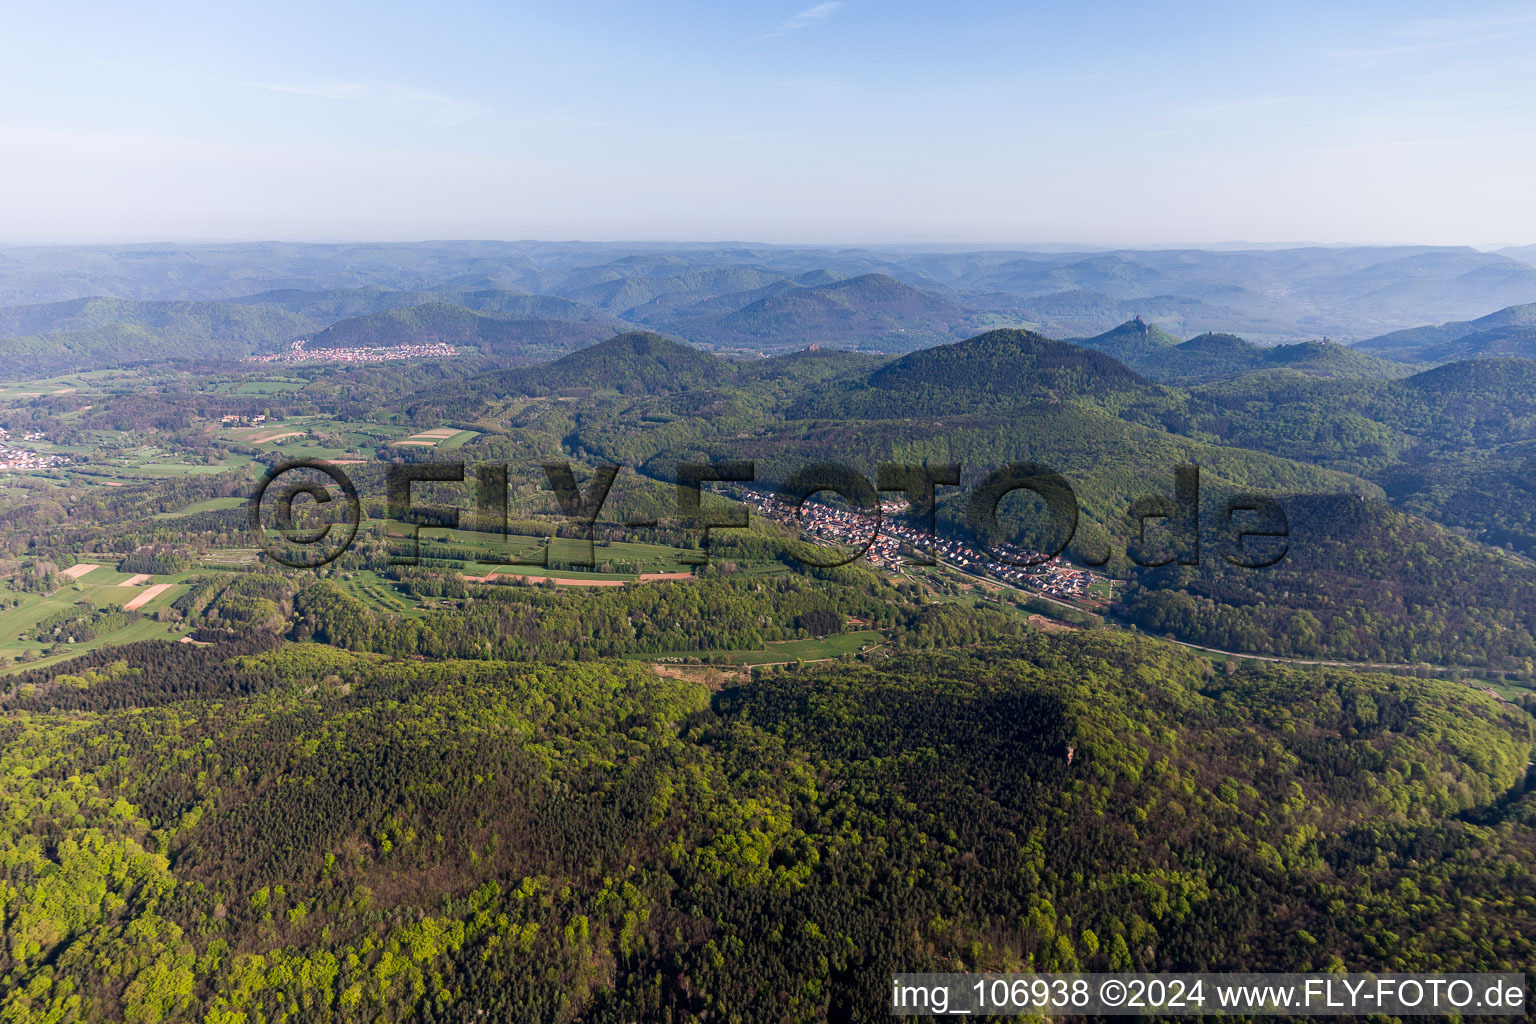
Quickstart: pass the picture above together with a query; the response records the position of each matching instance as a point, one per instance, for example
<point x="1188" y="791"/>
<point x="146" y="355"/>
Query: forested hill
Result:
<point x="1211" y="357"/>
<point x="342" y="838"/>
<point x="810" y="366"/>
<point x="1361" y="581"/>
<point x="997" y="370"/>
<point x="98" y="332"/>
<point x="1149" y="350"/>
<point x="1467" y="406"/>
<point x="1133" y="339"/>
<point x="1491" y="388"/>
<point x="636" y="363"/>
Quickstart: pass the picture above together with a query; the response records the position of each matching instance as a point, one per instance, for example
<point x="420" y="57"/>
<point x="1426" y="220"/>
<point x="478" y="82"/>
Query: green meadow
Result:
<point x="100" y="588"/>
<point x="206" y="505"/>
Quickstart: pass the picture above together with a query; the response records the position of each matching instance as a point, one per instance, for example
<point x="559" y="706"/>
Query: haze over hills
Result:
<point x="332" y="305"/>
<point x="869" y="311"/>
<point x="772" y="299"/>
<point x="1321" y="291"/>
<point x="1507" y="332"/>
<point x="625" y="289"/>
<point x="1523" y="253"/>
<point x="724" y="294"/>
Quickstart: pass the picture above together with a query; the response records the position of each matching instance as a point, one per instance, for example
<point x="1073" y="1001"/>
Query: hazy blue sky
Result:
<point x="843" y="121"/>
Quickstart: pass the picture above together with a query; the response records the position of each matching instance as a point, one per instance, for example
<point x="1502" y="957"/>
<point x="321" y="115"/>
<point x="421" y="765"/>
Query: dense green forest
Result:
<point x="301" y="833"/>
<point x="533" y="623"/>
<point x="1360" y="581"/>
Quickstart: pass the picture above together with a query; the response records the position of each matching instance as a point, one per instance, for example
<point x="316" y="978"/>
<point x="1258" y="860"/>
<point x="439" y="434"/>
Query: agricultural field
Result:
<point x="144" y="629"/>
<point x="84" y="383"/>
<point x="439" y="437"/>
<point x="378" y="593"/>
<point x="314" y="437"/>
<point x="230" y="558"/>
<point x="116" y="459"/>
<point x="35" y="388"/>
<point x="268" y="433"/>
<point x="251" y="385"/>
<point x="460" y="439"/>
<point x="66" y="384"/>
<point x="1507" y="690"/>
<point x="98" y="584"/>
<point x="268" y="386"/>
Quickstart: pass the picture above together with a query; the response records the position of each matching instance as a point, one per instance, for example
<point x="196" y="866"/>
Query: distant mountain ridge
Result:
<point x="1506" y="332"/>
<point x="751" y="298"/>
<point x="1316" y="291"/>
<point x="868" y="311"/>
<point x="1149" y="350"/>
<point x="1523" y="253"/>
<point x="342" y="303"/>
<point x="650" y="297"/>
<point x="1273" y="295"/>
<point x="241" y="324"/>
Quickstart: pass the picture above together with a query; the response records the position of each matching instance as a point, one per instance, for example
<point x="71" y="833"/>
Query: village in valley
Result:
<point x="896" y="543"/>
<point x="298" y="353"/>
<point x="14" y="459"/>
